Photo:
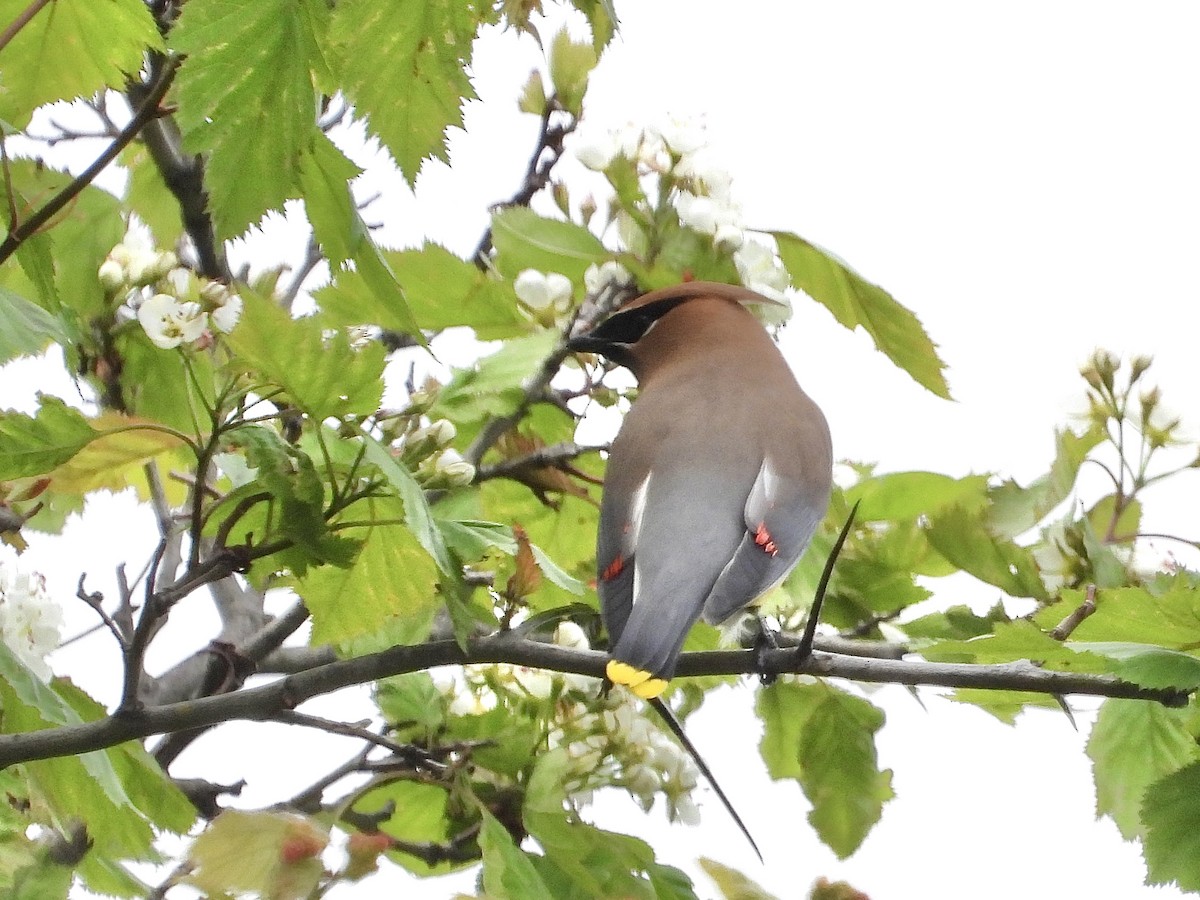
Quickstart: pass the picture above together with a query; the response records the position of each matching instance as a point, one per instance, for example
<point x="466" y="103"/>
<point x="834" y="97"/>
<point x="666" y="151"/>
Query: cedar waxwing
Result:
<point x="716" y="482"/>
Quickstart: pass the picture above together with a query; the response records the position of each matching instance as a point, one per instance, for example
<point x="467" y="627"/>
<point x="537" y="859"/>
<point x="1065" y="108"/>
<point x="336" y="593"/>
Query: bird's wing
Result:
<point x="781" y="515"/>
<point x="620" y="522"/>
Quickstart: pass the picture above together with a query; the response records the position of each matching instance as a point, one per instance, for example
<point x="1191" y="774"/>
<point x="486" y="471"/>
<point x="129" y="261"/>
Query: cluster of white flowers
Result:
<point x="597" y="278"/>
<point x="172" y="304"/>
<point x="620" y="745"/>
<point x="427" y="448"/>
<point x="547" y="295"/>
<point x="445" y="470"/>
<point x="30" y="621"/>
<point x="616" y="744"/>
<point x="701" y="192"/>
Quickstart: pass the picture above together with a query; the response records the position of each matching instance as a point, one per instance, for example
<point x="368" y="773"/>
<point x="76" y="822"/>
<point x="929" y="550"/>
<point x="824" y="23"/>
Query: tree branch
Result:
<point x="183" y="175"/>
<point x="269" y="701"/>
<point x="554" y="456"/>
<point x="545" y="156"/>
<point x="590" y="311"/>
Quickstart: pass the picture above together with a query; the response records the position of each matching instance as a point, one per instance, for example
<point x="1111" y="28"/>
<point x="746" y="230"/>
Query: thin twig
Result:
<point x="96" y="601"/>
<point x="554" y="456"/>
<point x="412" y="755"/>
<point x="144" y="114"/>
<point x="537" y="172"/>
<point x="1063" y="629"/>
<point x="22" y="20"/>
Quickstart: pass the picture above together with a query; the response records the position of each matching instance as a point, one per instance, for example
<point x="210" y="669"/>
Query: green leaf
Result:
<point x="116" y="458"/>
<point x="555" y="573"/>
<point x="508" y="873"/>
<point x="1133" y="744"/>
<point x="81" y="788"/>
<point x="416" y="507"/>
<point x="1112" y="527"/>
<point x="403" y="67"/>
<point x="1004" y="705"/>
<point x="525" y="240"/>
<point x="471" y="539"/>
<point x="1172" y="816"/>
<point x="1018" y="639"/>
<point x="963" y="539"/>
<point x="1147" y="665"/>
<point x="25" y="328"/>
<point x="442" y="291"/>
<point x="72" y="49"/>
<point x="570" y="65"/>
<point x="419" y="816"/>
<point x="733" y="884"/>
<point x="956" y="623"/>
<point x="391" y="578"/>
<point x="145" y="783"/>
<point x="592" y="861"/>
<point x="254" y="852"/>
<point x="1016" y="509"/>
<point x="1165" y="618"/>
<point x="410" y="698"/>
<point x="323" y="376"/>
<point x="149" y="197"/>
<point x="246" y="97"/>
<point x="840" y="774"/>
<point x="854" y="302"/>
<point x="492" y="387"/>
<point x="61" y="263"/>
<point x="35" y="445"/>
<point x="906" y="495"/>
<point x="602" y="17"/>
<point x="325" y="176"/>
<point x="824" y="738"/>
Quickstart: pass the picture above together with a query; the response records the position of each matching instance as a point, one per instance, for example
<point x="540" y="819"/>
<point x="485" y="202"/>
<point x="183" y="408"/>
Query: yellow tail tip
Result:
<point x="643" y="684"/>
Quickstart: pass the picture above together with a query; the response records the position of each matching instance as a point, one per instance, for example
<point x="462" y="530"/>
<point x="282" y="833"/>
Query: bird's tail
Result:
<point x="676" y="727"/>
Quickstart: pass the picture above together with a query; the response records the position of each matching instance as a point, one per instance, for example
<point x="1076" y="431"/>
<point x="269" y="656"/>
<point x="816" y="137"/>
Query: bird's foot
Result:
<point x="766" y="638"/>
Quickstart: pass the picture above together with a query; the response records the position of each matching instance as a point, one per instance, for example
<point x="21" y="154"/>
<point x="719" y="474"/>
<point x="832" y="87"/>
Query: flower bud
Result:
<point x="568" y="634"/>
<point x="454" y="471"/>
<point x="112" y="276"/>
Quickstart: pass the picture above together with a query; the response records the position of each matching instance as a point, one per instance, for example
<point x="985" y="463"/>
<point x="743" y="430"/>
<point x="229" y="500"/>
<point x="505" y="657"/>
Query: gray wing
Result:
<point x="781" y="515"/>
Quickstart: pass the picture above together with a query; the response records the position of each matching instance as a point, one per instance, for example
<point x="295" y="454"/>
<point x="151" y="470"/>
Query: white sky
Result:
<point x="1024" y="177"/>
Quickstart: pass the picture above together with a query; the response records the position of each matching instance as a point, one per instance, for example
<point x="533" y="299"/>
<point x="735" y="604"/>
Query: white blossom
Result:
<point x="682" y="808"/>
<point x="438" y="434"/>
<point x="643" y="782"/>
<point x="708" y="215"/>
<point x="30" y="621"/>
<point x="568" y="634"/>
<point x="543" y="290"/>
<point x="683" y="135"/>
<point x="453" y="469"/>
<point x="226" y="316"/>
<point x="598" y="277"/>
<point x="700" y="172"/>
<point x="652" y="151"/>
<point x="169" y="322"/>
<point x="596" y="152"/>
<point x="535" y="682"/>
<point x="761" y="270"/>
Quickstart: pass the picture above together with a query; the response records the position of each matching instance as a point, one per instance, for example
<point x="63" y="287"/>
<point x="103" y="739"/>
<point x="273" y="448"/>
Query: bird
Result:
<point x="716" y="481"/>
